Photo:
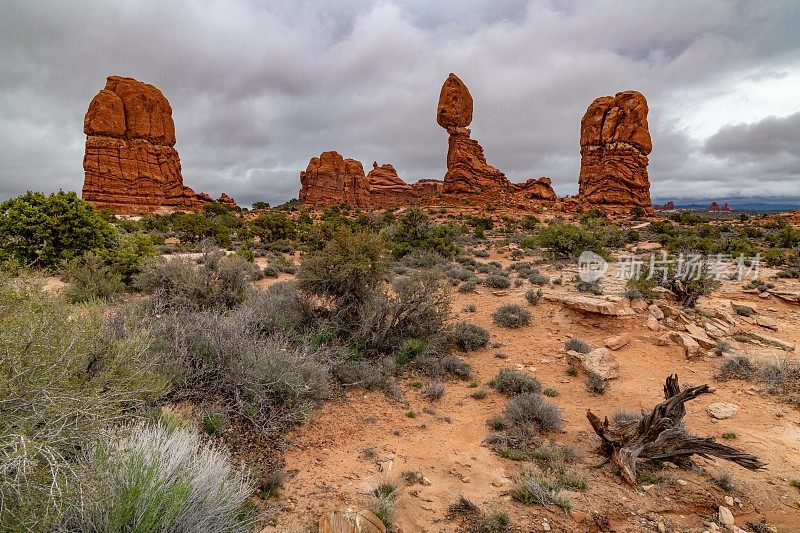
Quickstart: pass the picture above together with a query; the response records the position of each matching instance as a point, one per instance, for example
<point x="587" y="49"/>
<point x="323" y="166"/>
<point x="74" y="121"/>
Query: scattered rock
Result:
<point x="656" y="312"/>
<point x="610" y="306"/>
<point x="699" y="335"/>
<point x="722" y="410"/>
<point x="766" y="322"/>
<point x="616" y="342"/>
<point x="690" y="346"/>
<point x="599" y="361"/>
<point x="725" y="516"/>
<point x="351" y="520"/>
<point x="652" y="323"/>
<point x="773" y="341"/>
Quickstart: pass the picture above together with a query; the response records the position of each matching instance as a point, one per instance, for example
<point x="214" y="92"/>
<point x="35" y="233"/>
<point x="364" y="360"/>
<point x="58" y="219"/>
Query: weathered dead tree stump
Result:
<point x="661" y="435"/>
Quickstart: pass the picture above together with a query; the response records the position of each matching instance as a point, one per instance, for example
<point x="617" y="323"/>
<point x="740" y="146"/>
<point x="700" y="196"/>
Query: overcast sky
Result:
<point x="258" y="88"/>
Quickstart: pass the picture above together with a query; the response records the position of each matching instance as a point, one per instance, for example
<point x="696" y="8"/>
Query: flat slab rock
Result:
<point x="616" y="342"/>
<point x="599" y="361"/>
<point x="722" y="410"/>
<point x="610" y="306"/>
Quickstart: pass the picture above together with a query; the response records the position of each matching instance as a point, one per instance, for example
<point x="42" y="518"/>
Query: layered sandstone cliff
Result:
<point x="615" y="141"/>
<point x="331" y="179"/>
<point x="130" y="163"/>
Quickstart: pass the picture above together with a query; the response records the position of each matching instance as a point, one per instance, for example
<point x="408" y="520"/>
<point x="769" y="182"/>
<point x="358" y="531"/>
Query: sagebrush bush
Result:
<point x="218" y="281"/>
<point x="267" y="380"/>
<point x="577" y="345"/>
<point x="596" y="384"/>
<point x="496" y="281"/>
<point x="737" y="367"/>
<point x="533" y="296"/>
<point x="156" y="479"/>
<point x="532" y="408"/>
<point x="512" y="316"/>
<point x="467" y="336"/>
<point x="417" y="307"/>
<point x="66" y="376"/>
<point x="514" y="382"/>
<point x="91" y="278"/>
<point x="281" y="308"/>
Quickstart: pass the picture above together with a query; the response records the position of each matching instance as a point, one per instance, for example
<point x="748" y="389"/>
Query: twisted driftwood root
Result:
<point x="662" y="435"/>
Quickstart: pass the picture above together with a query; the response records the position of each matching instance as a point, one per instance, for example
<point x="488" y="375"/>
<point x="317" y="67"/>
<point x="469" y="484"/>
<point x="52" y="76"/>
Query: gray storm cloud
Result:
<point x="257" y="88"/>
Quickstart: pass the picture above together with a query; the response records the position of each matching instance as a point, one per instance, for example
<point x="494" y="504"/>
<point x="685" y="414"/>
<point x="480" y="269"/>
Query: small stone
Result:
<point x="545" y="526"/>
<point x="729" y="501"/>
<point x="682" y="482"/>
<point x="616" y="342"/>
<point x="725" y="516"/>
<point x="425" y="481"/>
<point x="767" y="322"/>
<point x="656" y="312"/>
<point x="722" y="410"/>
<point x="652" y="323"/>
<point x="661" y="527"/>
<point x="465" y="480"/>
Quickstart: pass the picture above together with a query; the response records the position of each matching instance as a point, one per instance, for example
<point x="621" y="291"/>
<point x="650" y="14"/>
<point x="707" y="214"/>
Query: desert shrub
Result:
<point x="567" y="241"/>
<point x="724" y="480"/>
<point x="417" y="307"/>
<point x="90" y="278"/>
<point x="281" y="308"/>
<point x="273" y="226"/>
<point x="737" y="367"/>
<point x="433" y="390"/>
<point x="743" y="310"/>
<point x="496" y="281"/>
<point x="219" y="281"/>
<point x="370" y="375"/>
<point x="456" y="366"/>
<point x="467" y="336"/>
<point x="596" y="384"/>
<point x="468" y="286"/>
<point x="264" y="379"/>
<point x="537" y="278"/>
<point x="687" y="292"/>
<point x="132" y="252"/>
<point x="409" y="350"/>
<point x="533" y="296"/>
<point x="533" y="409"/>
<point x="515" y="382"/>
<point x="42" y="231"/>
<point x="512" y="316"/>
<point x="60" y="363"/>
<point x="155" y="479"/>
<point x="347" y="270"/>
<point x="638" y="212"/>
<point x="592" y="287"/>
<point x="531" y="487"/>
<point x="212" y="422"/>
<point x="575" y="344"/>
<point x="414" y="231"/>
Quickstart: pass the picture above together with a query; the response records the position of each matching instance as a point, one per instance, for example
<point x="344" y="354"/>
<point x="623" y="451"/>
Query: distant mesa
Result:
<point x="130" y="163"/>
<point x="615" y="142"/>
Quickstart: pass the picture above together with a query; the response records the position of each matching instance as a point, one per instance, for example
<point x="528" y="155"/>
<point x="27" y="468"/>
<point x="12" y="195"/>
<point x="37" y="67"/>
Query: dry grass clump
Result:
<point x="514" y="382"/>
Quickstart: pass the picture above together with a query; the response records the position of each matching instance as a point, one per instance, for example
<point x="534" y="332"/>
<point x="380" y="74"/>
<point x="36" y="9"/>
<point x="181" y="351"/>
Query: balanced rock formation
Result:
<point x="331" y="179"/>
<point x="467" y="169"/>
<point x="130" y="164"/>
<point x="537" y="189"/>
<point x="615" y="142"/>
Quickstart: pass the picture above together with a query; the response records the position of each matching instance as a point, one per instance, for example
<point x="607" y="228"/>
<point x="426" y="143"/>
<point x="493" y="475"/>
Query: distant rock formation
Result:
<point x="537" y="189"/>
<point x="715" y="208"/>
<point x="330" y="179"/>
<point x="130" y="163"/>
<point x="669" y="206"/>
<point x="467" y="169"/>
<point x="615" y="142"/>
<point x="226" y="200"/>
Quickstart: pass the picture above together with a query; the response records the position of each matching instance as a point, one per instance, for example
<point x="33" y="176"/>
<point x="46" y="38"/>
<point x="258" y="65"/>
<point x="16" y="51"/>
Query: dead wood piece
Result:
<point x="661" y="435"/>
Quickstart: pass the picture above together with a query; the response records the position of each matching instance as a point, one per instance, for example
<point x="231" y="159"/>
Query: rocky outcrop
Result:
<point x="467" y="169"/>
<point x="130" y="163"/>
<point x="330" y="179"/>
<point x="537" y="189"/>
<point x="226" y="200"/>
<point x="615" y="141"/>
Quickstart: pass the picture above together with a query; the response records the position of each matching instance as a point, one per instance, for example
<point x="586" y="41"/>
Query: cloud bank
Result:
<point x="257" y="88"/>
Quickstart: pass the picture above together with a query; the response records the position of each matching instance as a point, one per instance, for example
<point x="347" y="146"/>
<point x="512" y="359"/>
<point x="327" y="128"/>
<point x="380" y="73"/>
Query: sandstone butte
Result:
<point x="615" y="142"/>
<point x="130" y="163"/>
<point x="331" y="179"/>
